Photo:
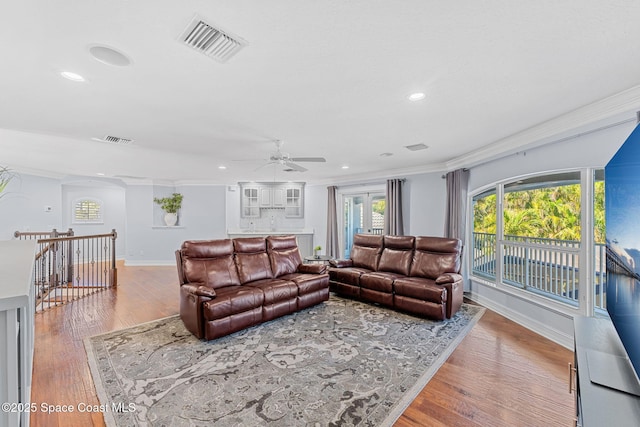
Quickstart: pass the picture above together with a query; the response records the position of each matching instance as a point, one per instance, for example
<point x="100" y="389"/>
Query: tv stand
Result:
<point x="606" y="387"/>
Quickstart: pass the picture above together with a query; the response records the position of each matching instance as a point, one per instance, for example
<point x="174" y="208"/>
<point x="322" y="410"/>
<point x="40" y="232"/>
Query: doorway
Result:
<point x="361" y="213"/>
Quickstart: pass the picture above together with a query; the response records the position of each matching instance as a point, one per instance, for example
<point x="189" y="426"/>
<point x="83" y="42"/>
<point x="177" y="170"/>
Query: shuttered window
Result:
<point x="87" y="210"/>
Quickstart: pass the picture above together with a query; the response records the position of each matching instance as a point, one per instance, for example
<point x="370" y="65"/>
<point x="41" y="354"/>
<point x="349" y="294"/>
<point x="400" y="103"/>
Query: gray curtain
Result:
<point x="456" y="211"/>
<point x="393" y="208"/>
<point x="332" y="247"/>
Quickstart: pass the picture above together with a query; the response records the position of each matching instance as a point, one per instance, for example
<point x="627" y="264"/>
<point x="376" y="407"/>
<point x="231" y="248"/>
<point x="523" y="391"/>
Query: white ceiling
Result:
<point x="329" y="78"/>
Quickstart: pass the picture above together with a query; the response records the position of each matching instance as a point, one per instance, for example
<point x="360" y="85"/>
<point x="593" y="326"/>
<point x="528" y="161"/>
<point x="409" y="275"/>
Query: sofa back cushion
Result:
<point x="252" y="260"/>
<point x="209" y="262"/>
<point x="284" y="254"/>
<point x="397" y="254"/>
<point x="365" y="252"/>
<point x="434" y="256"/>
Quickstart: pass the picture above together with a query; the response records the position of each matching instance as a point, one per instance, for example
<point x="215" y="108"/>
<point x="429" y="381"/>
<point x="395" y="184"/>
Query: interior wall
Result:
<point x="585" y="150"/>
<point x="202" y="216"/>
<point x="22" y="205"/>
<point x="113" y="211"/>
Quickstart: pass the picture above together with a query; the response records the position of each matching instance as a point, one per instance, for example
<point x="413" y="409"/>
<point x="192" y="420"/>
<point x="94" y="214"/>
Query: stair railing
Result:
<point x="69" y="267"/>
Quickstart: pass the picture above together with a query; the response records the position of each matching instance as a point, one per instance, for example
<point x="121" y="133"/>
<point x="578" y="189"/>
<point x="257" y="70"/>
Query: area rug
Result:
<point x="341" y="363"/>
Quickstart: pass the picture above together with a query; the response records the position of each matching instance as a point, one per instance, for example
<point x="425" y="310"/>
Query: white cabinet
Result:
<point x="249" y="203"/>
<point x="272" y="195"/>
<point x="294" y="207"/>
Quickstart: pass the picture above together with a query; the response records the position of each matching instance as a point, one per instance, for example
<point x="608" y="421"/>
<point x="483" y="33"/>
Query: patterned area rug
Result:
<point x="342" y="363"/>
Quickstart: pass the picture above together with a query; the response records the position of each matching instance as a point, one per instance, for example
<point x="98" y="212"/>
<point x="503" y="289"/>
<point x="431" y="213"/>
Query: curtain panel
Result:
<point x="332" y="245"/>
<point x="456" y="210"/>
<point x="393" y="224"/>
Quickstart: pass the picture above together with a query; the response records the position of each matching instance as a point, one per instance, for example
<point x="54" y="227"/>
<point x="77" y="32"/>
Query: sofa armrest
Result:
<point x="312" y="268"/>
<point x="200" y="290"/>
<point x="341" y="263"/>
<point x="448" y="278"/>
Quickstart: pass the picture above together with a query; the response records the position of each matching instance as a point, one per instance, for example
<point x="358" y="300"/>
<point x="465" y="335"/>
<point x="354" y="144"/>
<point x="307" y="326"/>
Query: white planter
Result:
<point x="170" y="219"/>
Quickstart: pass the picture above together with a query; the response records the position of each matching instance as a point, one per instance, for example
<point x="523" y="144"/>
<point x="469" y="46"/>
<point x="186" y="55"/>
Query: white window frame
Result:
<point x="586" y="254"/>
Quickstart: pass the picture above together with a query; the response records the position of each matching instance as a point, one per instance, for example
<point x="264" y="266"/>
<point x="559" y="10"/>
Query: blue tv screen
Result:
<point x="622" y="216"/>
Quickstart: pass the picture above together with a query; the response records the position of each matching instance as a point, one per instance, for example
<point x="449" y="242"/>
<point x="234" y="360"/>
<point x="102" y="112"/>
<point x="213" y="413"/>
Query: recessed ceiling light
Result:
<point x="108" y="55"/>
<point x="345" y="167"/>
<point x="222" y="167"/>
<point x="72" y="76"/>
<point x="416" y="96"/>
<point x="99" y="173"/>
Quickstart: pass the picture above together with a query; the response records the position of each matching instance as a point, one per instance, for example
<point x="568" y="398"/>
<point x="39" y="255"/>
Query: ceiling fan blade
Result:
<point x="263" y="165"/>
<point x="308" y="159"/>
<point x="295" y="167"/>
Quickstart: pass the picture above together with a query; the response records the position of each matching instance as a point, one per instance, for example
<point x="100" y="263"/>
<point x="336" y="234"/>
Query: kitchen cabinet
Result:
<point x="257" y="196"/>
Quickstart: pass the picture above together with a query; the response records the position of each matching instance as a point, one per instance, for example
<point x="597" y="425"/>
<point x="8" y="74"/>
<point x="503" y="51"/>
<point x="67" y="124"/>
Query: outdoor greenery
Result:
<point x="552" y="213"/>
<point x="170" y="204"/>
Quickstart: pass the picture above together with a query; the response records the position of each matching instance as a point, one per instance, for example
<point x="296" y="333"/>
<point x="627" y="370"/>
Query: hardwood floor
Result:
<point x="500" y="375"/>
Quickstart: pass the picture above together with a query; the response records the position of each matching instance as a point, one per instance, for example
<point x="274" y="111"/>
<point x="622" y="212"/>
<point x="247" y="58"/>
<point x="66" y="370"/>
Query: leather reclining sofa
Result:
<point x="230" y="284"/>
<point x="419" y="275"/>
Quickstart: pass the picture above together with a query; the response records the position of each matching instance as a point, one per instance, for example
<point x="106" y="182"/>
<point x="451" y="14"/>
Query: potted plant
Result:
<point x="6" y="175"/>
<point x="316" y="250"/>
<point x="171" y="205"/>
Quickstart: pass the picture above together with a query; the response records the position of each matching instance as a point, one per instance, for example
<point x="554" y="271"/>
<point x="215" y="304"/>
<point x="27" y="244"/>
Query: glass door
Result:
<point x="362" y="213"/>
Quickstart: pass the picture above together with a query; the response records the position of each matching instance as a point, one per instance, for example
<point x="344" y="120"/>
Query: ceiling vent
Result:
<point x="213" y="42"/>
<point x="416" y="147"/>
<point x="109" y="139"/>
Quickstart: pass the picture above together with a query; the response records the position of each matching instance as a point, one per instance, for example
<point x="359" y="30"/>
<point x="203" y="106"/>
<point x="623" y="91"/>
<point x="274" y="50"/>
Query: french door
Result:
<point x="361" y="213"/>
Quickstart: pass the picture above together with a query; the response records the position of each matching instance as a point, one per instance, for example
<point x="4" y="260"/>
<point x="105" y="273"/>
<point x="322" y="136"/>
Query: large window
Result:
<point x="528" y="234"/>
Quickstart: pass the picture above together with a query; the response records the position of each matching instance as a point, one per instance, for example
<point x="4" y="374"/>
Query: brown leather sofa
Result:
<point x="419" y="275"/>
<point x="230" y="284"/>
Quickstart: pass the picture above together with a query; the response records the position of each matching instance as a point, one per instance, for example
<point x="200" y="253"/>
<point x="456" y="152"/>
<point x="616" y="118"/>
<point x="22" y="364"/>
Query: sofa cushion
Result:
<point x="251" y="259"/>
<point x="283" y="254"/>
<point x="308" y="283"/>
<point x="232" y="300"/>
<point x="275" y="290"/>
<point x="365" y="252"/>
<point x="209" y="263"/>
<point x="434" y="256"/>
<point x="350" y="275"/>
<point x="420" y="288"/>
<point x="381" y="281"/>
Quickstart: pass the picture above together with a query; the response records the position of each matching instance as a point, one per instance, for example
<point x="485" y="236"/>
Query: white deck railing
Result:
<point x="546" y="266"/>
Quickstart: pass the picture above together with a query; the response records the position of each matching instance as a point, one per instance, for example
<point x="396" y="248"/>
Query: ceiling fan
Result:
<point x="289" y="163"/>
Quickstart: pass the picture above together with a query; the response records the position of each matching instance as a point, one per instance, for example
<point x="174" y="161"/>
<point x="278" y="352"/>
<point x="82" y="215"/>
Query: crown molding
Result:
<point x="624" y="102"/>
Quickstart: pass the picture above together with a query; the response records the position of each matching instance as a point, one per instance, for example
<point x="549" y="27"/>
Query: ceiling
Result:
<point x="328" y="78"/>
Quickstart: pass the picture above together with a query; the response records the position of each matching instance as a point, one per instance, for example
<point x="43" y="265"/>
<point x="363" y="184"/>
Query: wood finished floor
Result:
<point x="500" y="375"/>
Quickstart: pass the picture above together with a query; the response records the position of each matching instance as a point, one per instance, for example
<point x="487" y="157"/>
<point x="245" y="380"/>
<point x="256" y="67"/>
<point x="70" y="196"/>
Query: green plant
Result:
<point x="170" y="204"/>
<point x="6" y="175"/>
<point x="317" y="248"/>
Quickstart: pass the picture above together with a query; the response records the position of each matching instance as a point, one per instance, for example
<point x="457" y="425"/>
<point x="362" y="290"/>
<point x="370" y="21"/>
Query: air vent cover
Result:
<point x="109" y="139"/>
<point x="416" y="147"/>
<point x="213" y="42"/>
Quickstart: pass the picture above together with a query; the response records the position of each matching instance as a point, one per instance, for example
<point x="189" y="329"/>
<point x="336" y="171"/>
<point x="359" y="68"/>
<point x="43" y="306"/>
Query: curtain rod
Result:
<point x="445" y="175"/>
<point x="364" y="184"/>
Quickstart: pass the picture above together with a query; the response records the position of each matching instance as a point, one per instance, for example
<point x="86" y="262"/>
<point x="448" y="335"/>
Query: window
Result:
<point x="87" y="211"/>
<point x="527" y="234"/>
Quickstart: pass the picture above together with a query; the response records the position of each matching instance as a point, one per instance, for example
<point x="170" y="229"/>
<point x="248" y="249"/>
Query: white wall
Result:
<point x="203" y="216"/>
<point x="588" y="150"/>
<point x="112" y="198"/>
<point x="22" y="206"/>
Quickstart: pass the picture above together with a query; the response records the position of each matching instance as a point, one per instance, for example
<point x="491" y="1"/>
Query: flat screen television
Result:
<point x="622" y="217"/>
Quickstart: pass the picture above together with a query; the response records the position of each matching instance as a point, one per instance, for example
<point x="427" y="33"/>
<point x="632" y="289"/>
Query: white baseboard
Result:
<point x="539" y="328"/>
